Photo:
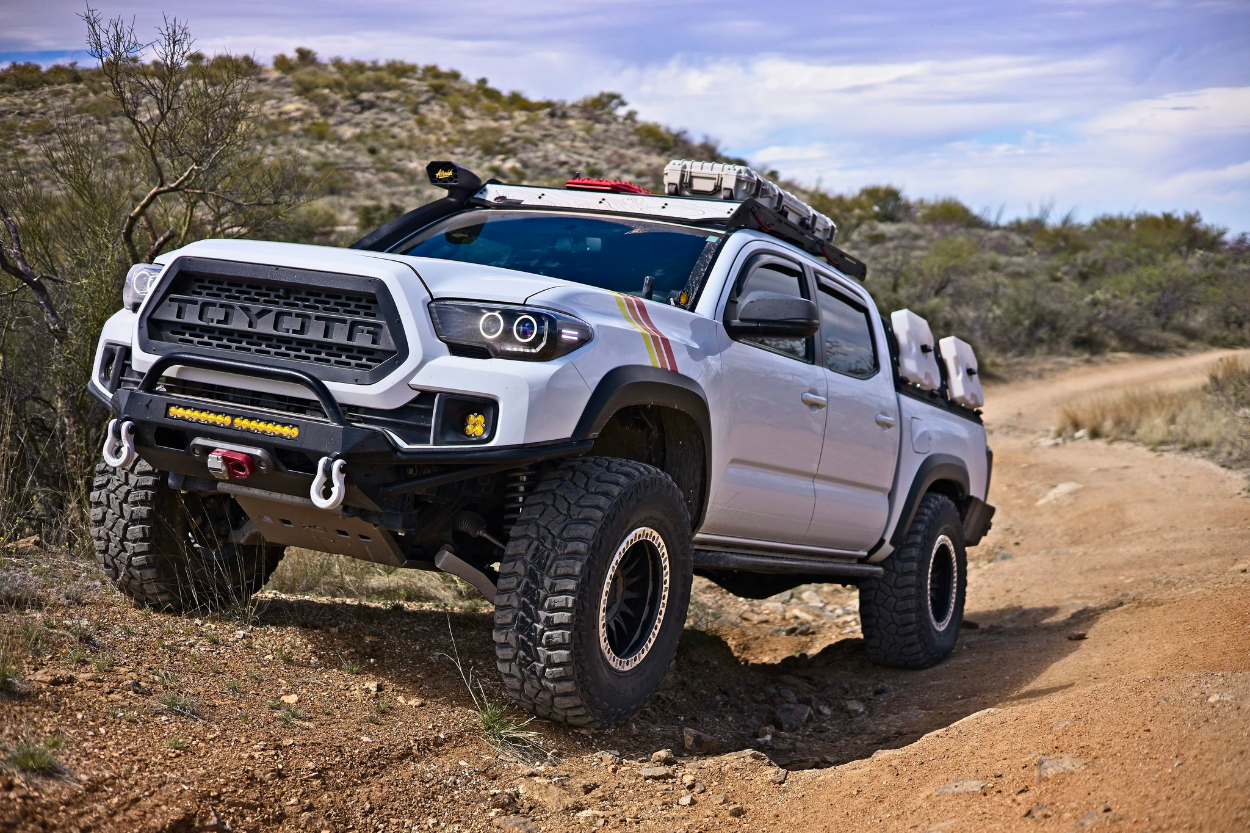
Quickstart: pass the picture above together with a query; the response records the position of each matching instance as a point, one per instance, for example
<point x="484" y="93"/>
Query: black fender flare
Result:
<point x="629" y="385"/>
<point x="934" y="468"/>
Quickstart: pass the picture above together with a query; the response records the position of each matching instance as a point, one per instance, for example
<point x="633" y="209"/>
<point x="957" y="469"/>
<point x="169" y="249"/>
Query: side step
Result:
<point x="785" y="565"/>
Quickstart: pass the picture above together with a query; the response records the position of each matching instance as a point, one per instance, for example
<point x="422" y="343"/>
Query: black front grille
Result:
<point x="281" y="347"/>
<point x="282" y="295"/>
<point x="341" y="328"/>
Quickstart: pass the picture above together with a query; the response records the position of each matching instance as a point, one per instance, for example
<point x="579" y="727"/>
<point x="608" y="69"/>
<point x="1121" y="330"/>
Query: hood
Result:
<point x="449" y="279"/>
<point x="442" y="278"/>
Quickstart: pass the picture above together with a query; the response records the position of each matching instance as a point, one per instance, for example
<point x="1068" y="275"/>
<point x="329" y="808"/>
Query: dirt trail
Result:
<point x="1104" y="684"/>
<point x="1116" y="634"/>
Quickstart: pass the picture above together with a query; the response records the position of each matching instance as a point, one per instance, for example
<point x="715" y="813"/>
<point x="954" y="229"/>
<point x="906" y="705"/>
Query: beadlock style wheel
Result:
<point x="634" y="599"/>
<point x="911" y="615"/>
<point x="593" y="591"/>
<point x="943" y="586"/>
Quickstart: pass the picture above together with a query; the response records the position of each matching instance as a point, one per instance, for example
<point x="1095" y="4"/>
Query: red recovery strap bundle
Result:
<point x="610" y="186"/>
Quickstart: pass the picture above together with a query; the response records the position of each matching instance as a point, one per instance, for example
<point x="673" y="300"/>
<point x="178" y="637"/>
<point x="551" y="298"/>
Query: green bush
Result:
<point x="947" y="211"/>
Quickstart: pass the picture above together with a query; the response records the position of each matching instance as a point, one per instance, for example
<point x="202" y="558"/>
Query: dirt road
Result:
<point x="1104" y="684"/>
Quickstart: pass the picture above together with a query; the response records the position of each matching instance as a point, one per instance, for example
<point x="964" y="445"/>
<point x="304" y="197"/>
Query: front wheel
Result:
<point x="911" y="615"/>
<point x="173" y="551"/>
<point x="593" y="591"/>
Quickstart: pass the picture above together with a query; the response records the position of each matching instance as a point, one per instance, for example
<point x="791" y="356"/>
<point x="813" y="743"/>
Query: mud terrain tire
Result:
<point x="170" y="551"/>
<point x="592" y="541"/>
<point x="911" y="615"/>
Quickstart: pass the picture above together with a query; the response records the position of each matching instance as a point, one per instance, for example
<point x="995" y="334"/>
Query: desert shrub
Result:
<point x="652" y="136"/>
<point x="490" y="140"/>
<point x="318" y="574"/>
<point x="1213" y="417"/>
<point x="304" y="57"/>
<point x="100" y="194"/>
<point x="374" y="214"/>
<point x="31" y="76"/>
<point x="947" y="211"/>
<point x="604" y="103"/>
<point x="20" y="590"/>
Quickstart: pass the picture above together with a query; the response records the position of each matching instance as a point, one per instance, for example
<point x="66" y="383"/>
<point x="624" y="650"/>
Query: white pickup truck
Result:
<point x="576" y="399"/>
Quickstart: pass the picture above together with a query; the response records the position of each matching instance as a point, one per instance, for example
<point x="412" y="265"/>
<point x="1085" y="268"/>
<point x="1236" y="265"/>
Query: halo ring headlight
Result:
<point x="491" y="325"/>
<point x="507" y="331"/>
<point x="525" y="332"/>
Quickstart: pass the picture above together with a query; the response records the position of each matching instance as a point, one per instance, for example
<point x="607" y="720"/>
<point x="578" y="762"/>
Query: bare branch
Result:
<point x="158" y="244"/>
<point x="13" y="261"/>
<point x="128" y="225"/>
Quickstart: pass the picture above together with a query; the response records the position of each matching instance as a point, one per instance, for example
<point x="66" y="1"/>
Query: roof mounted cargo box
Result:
<point x="917" y="361"/>
<point x="962" y="381"/>
<point x="717" y="180"/>
<point x="723" y="181"/>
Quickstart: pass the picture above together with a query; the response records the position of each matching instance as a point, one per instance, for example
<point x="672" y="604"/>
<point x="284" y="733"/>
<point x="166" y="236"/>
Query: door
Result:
<point x="860" y="449"/>
<point x="775" y="394"/>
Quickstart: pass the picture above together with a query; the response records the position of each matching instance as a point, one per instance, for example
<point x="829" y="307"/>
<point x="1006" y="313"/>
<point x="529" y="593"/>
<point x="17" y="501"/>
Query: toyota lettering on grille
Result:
<point x="257" y="318"/>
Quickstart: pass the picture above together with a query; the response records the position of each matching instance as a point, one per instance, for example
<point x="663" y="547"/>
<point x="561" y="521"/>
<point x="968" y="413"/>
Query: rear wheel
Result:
<point x="593" y="591"/>
<point x="911" y="615"/>
<point x="174" y="551"/>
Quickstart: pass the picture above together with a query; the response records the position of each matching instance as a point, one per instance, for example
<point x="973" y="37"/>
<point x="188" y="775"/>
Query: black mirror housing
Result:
<point x="774" y="314"/>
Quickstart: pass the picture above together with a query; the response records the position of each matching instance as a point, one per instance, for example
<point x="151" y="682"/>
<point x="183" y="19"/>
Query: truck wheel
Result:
<point x="172" y="551"/>
<point x="911" y="615"/>
<point x="593" y="591"/>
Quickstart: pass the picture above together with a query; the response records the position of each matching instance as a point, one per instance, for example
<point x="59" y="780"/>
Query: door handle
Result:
<point x="814" y="400"/>
<point x="886" y="421"/>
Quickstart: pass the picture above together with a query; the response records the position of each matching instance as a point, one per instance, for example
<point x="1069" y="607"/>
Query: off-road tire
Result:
<point x="159" y="547"/>
<point x="551" y="582"/>
<point x="895" y="610"/>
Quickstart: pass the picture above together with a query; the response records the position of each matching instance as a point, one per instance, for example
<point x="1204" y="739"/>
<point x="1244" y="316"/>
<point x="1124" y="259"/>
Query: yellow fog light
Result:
<point x="474" y="425"/>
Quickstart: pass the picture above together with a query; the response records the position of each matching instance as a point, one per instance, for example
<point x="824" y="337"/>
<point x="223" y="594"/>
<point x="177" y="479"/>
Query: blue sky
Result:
<point x="1099" y="106"/>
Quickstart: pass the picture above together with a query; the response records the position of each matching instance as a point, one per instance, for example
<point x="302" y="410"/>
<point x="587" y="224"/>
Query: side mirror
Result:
<point x="775" y="314"/>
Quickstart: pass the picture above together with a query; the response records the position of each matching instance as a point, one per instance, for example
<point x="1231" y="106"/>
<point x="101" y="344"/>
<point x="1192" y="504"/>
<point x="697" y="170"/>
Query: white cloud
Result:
<point x="1113" y="105"/>
<point x="765" y="97"/>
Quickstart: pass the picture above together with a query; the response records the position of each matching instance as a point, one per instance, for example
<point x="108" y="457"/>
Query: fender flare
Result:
<point x="629" y="385"/>
<point x="935" y="468"/>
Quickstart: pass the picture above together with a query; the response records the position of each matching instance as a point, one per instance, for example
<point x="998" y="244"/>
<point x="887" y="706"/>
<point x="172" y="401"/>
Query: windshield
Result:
<point x="613" y="253"/>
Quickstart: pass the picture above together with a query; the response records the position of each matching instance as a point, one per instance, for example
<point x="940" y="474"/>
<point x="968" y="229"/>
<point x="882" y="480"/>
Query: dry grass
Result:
<point x="304" y="572"/>
<point x="1213" y="417"/>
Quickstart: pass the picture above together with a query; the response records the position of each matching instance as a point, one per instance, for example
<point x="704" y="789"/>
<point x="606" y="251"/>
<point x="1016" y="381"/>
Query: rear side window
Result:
<point x="846" y="333"/>
<point x="769" y="274"/>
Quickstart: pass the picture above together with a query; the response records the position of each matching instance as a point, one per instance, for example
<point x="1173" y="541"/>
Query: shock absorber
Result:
<point x="519" y="483"/>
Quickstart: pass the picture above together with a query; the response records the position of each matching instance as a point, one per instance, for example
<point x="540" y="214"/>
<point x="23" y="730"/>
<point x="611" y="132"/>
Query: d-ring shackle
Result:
<point x="122" y="438"/>
<point x="335" y="471"/>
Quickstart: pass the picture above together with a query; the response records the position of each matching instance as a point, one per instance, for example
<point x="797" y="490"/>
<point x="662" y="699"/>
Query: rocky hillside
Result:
<point x="369" y="129"/>
<point x="1042" y="284"/>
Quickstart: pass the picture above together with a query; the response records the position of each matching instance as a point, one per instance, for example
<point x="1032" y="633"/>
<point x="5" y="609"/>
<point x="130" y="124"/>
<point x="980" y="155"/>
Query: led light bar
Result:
<point x="256" y="426"/>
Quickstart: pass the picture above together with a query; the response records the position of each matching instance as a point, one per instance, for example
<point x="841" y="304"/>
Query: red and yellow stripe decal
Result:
<point x="658" y="346"/>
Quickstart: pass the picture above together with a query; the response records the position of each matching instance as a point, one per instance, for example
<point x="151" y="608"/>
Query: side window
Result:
<point x="771" y="274"/>
<point x="846" y="332"/>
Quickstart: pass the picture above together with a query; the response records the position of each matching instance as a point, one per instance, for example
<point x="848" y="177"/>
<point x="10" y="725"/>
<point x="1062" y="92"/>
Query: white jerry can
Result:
<point x="962" y="381"/>
<point x="917" y="360"/>
<point x="718" y="181"/>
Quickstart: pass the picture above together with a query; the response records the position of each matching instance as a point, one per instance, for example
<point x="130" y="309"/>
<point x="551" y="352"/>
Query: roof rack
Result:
<point x="767" y="208"/>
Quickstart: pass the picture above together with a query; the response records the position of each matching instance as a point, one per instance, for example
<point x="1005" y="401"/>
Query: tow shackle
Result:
<point x="119" y="444"/>
<point x="333" y="471"/>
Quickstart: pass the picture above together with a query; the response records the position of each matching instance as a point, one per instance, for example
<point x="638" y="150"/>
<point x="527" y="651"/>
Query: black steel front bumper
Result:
<point x="376" y="469"/>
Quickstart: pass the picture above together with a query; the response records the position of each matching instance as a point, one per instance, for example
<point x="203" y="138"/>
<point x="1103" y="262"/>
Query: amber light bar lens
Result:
<point x="256" y="426"/>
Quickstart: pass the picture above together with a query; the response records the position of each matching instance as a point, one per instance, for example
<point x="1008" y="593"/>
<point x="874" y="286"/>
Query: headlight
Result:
<point x="506" y="332"/>
<point x="139" y="282"/>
